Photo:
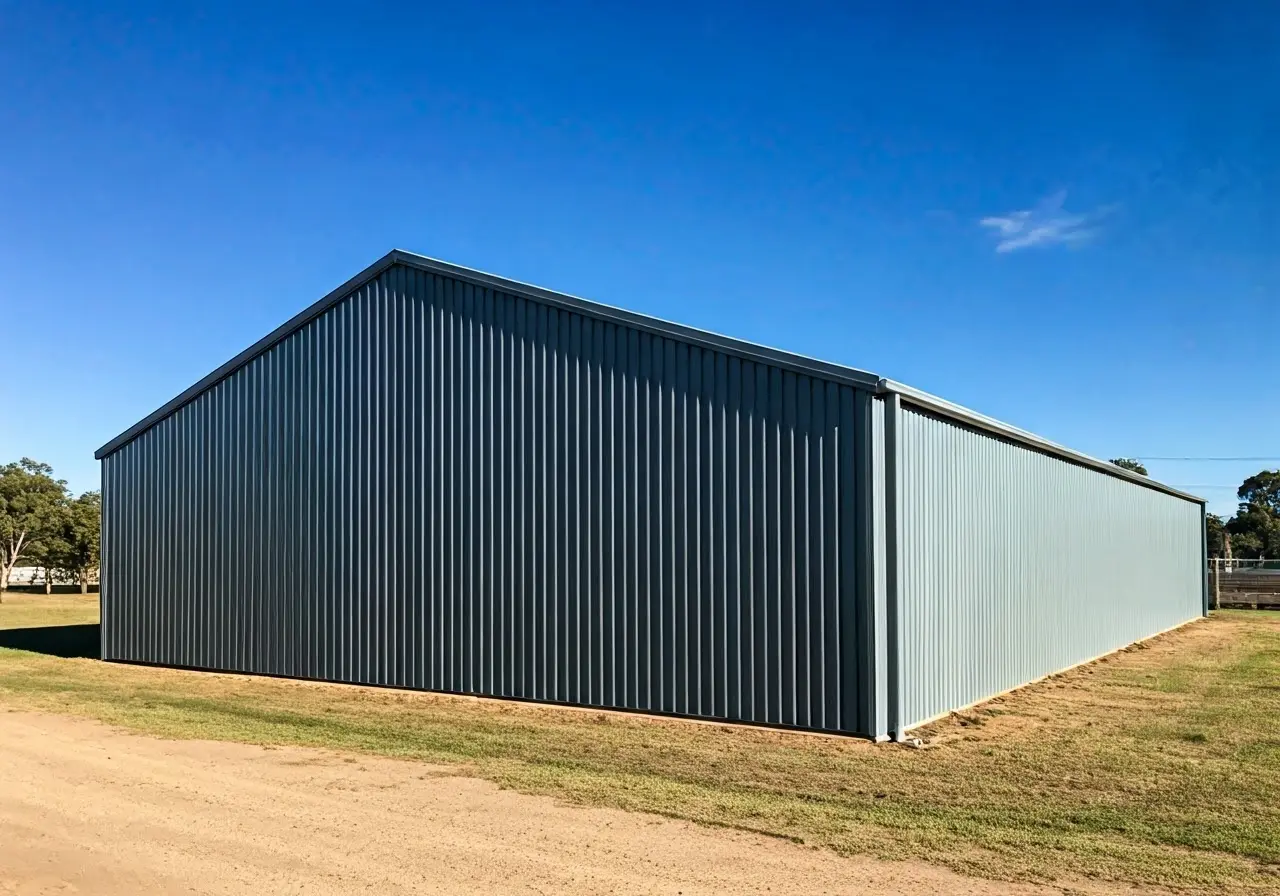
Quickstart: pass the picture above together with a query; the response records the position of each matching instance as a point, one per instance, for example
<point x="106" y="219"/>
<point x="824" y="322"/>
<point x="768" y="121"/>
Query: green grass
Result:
<point x="21" y="610"/>
<point x="1159" y="766"/>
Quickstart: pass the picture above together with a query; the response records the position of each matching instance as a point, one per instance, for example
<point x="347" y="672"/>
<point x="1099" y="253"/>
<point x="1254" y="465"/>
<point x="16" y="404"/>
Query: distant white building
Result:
<point x="34" y="576"/>
<point x="27" y="575"/>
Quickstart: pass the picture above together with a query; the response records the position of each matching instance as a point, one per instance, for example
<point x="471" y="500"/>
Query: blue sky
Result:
<point x="1062" y="216"/>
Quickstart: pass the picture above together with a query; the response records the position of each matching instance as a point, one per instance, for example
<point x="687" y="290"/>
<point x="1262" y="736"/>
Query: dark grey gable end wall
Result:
<point x="437" y="484"/>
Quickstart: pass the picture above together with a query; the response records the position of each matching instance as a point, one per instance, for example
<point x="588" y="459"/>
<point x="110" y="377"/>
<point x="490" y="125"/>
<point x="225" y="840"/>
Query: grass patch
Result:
<point x="1107" y="771"/>
<point x="20" y="610"/>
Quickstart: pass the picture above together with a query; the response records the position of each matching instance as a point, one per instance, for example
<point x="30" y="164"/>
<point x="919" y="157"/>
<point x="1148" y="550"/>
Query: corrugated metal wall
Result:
<point x="1016" y="564"/>
<point x="442" y="486"/>
<point x="439" y="484"/>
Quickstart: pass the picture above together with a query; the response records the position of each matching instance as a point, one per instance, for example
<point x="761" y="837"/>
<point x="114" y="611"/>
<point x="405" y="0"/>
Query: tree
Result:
<point x="1255" y="532"/>
<point x="1130" y="464"/>
<point x="29" y="503"/>
<point x="48" y="550"/>
<point x="1255" y="528"/>
<point x="77" y="545"/>
<point x="1262" y="489"/>
<point x="1214" y="533"/>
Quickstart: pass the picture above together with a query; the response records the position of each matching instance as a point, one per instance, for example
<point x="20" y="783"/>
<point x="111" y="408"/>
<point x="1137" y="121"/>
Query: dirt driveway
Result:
<point x="87" y="809"/>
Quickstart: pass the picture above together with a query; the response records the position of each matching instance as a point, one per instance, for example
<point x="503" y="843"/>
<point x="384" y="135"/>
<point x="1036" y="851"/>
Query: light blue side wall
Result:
<point x="1016" y="564"/>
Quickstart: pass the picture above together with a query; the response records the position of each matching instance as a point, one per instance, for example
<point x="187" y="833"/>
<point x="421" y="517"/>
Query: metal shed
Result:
<point x="436" y="478"/>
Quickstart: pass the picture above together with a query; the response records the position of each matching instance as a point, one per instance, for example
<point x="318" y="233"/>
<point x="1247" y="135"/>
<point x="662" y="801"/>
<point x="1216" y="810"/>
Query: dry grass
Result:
<point x="21" y="610"/>
<point x="1157" y="766"/>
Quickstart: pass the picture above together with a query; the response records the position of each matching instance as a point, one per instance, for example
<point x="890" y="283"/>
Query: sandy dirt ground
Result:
<point x="88" y="809"/>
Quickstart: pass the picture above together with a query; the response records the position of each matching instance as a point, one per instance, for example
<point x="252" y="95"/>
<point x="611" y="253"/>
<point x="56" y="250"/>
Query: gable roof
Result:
<point x="739" y="347"/>
<point x="597" y="310"/>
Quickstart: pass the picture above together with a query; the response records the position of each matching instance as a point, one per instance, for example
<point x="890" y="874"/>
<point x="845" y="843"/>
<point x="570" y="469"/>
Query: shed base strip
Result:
<point x="1034" y="681"/>
<point x="653" y="715"/>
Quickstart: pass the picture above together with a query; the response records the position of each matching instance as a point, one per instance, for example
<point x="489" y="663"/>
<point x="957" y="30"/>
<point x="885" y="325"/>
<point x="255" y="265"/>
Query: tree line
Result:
<point x="43" y="524"/>
<point x="1253" y="531"/>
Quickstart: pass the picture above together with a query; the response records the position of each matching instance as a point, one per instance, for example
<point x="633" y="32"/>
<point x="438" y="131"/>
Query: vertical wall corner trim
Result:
<point x="1204" y="553"/>
<point x="893" y="560"/>
<point x="864" y="636"/>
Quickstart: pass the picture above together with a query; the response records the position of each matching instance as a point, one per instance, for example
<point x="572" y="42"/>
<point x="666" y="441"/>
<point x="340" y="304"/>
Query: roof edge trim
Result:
<point x="706" y="339"/>
<point x="743" y="348"/>
<point x="943" y="408"/>
<point x="288" y="328"/>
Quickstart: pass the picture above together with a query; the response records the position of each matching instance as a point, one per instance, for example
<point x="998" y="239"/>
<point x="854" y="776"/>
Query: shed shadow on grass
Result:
<point x="67" y="641"/>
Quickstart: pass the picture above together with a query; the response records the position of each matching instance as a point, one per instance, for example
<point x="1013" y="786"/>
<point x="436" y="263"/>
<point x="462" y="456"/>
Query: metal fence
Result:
<point x="1244" y="584"/>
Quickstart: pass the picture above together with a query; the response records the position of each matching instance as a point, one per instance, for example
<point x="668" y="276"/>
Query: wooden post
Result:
<point x="1217" y="574"/>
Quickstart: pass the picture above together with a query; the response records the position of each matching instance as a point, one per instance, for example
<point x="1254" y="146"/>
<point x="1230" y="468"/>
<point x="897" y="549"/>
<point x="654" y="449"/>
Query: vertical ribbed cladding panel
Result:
<point x="437" y="485"/>
<point x="1018" y="564"/>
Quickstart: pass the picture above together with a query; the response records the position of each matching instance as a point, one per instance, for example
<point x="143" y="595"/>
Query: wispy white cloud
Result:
<point x="1047" y="224"/>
